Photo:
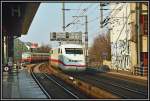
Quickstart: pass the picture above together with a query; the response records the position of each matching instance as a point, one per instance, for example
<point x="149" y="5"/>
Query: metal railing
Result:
<point x="139" y="70"/>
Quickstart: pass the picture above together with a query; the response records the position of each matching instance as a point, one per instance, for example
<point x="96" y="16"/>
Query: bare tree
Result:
<point x="101" y="49"/>
<point x="43" y="49"/>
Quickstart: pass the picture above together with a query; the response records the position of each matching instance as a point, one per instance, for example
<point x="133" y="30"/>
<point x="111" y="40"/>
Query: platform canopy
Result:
<point x="17" y="17"/>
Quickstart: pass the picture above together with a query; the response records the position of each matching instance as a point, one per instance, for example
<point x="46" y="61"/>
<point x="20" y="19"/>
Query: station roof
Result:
<point x="17" y="17"/>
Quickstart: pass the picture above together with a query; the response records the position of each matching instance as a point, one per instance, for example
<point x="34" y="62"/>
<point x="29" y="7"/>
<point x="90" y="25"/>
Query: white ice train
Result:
<point x="68" y="57"/>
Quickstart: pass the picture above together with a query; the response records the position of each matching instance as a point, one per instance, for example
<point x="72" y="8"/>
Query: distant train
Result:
<point x="68" y="57"/>
<point x="31" y="57"/>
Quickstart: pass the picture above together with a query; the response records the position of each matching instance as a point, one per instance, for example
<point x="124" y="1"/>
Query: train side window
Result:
<point x="54" y="35"/>
<point x="61" y="51"/>
<point x="67" y="35"/>
<point x="58" y="50"/>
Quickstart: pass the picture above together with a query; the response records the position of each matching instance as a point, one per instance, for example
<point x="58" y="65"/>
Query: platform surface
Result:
<point x="20" y="85"/>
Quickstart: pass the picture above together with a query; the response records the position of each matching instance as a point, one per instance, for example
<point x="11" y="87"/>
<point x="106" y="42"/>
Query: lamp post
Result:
<point x="63" y="9"/>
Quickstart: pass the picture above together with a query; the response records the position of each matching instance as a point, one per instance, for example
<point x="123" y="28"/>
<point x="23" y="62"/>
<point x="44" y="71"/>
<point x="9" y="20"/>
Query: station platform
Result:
<point x="20" y="85"/>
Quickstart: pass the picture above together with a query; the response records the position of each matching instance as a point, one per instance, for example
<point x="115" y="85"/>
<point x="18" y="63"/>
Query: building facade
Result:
<point x="129" y="35"/>
<point x="139" y="34"/>
<point x="120" y="35"/>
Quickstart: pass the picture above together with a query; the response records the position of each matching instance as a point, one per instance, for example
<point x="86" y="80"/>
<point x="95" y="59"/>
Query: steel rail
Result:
<point x="39" y="84"/>
<point x="61" y="86"/>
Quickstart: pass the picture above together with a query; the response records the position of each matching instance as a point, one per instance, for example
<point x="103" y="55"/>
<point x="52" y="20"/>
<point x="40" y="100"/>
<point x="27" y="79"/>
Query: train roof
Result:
<point x="33" y="53"/>
<point x="39" y="53"/>
<point x="26" y="52"/>
<point x="69" y="46"/>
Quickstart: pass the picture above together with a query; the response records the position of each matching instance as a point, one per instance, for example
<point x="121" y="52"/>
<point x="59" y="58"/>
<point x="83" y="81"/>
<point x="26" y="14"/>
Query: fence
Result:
<point x="142" y="71"/>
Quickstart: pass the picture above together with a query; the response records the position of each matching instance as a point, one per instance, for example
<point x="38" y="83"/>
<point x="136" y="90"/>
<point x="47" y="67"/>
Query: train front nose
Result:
<point x="76" y="67"/>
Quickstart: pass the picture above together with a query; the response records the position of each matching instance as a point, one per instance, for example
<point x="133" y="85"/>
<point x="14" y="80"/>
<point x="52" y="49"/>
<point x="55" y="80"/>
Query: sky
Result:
<point x="49" y="19"/>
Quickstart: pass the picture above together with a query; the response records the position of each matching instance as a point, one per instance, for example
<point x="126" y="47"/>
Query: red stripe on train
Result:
<point x="58" y="61"/>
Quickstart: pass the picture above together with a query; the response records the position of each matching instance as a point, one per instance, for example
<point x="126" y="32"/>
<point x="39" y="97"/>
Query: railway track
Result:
<point x="58" y="89"/>
<point x="136" y="87"/>
<point x="54" y="88"/>
<point x="121" y="77"/>
<point x="121" y="88"/>
<point x="37" y="81"/>
<point x="124" y="82"/>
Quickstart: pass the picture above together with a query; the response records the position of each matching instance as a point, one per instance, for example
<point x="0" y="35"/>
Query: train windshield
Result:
<point x="74" y="50"/>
